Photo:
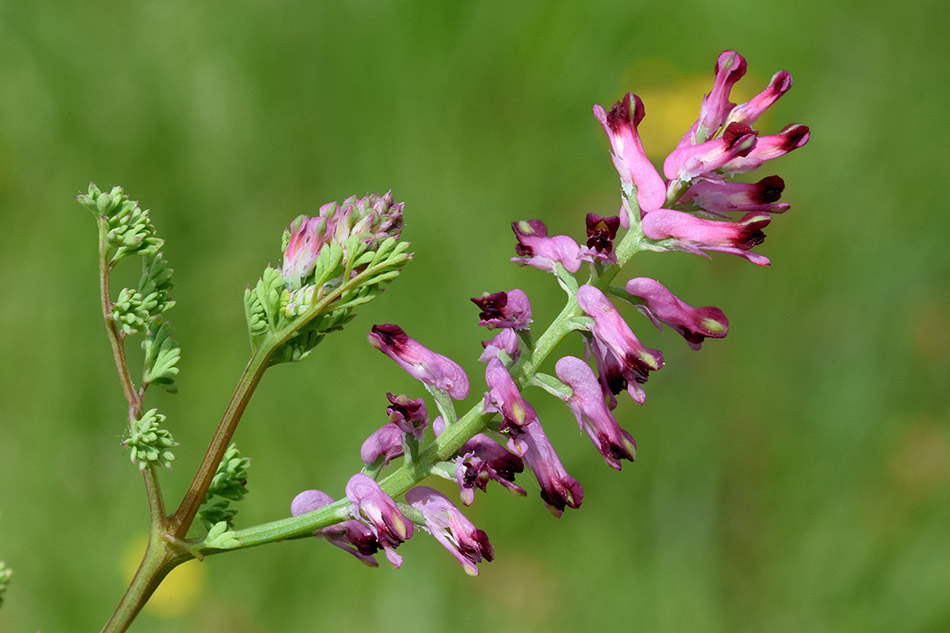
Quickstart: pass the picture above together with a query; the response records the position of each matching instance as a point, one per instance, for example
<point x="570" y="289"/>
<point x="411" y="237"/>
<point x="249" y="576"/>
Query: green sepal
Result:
<point x="161" y="358"/>
<point x="581" y="323"/>
<point x="220" y="537"/>
<point x="149" y="443"/>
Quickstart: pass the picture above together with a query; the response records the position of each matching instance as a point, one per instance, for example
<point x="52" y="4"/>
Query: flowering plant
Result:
<point x="342" y="257"/>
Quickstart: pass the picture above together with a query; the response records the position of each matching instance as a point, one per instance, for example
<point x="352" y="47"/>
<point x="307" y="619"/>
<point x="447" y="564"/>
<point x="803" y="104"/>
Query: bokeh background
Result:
<point x="792" y="477"/>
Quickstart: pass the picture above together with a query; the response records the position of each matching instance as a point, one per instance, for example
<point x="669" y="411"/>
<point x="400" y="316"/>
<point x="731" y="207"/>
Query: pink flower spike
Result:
<point x="504" y="310"/>
<point x="352" y="536"/>
<point x="558" y="488"/>
<point x="693" y="324"/>
<point x="631" y="161"/>
<point x="538" y="250"/>
<point x="306" y="238"/>
<point x="593" y="416"/>
<point x="717" y="198"/>
<point x="769" y="147"/>
<point x="422" y="363"/>
<point x="695" y="235"/>
<point x="689" y="162"/>
<point x="375" y="509"/>
<point x="451" y="528"/>
<point x="751" y="110"/>
<point x="621" y="358"/>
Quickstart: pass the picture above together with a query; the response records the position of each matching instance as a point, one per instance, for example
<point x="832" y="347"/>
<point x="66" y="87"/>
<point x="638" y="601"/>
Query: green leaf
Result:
<point x="161" y="358"/>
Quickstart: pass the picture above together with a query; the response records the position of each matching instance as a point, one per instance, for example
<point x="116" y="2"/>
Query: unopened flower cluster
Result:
<point x="694" y="206"/>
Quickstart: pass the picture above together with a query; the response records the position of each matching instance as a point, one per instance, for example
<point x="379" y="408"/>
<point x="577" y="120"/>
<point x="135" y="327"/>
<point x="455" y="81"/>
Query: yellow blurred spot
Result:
<point x="178" y="593"/>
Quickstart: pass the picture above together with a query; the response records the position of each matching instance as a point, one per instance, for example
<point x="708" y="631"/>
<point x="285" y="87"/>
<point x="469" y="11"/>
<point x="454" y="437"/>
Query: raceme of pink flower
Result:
<point x="422" y="363"/>
<point x="768" y="147"/>
<point x="730" y="68"/>
<point x="600" y="238"/>
<point x="538" y="250"/>
<point x="695" y="235"/>
<point x="505" y="341"/>
<point x="616" y="347"/>
<point x="662" y="306"/>
<point x="503" y="396"/>
<point x="593" y="416"/>
<point x="717" y="197"/>
<point x="631" y="161"/>
<point x="407" y="414"/>
<point x="352" y="536"/>
<point x="385" y="443"/>
<point x="379" y="512"/>
<point x="504" y="310"/>
<point x="689" y="162"/>
<point x="451" y="528"/>
<point x="558" y="488"/>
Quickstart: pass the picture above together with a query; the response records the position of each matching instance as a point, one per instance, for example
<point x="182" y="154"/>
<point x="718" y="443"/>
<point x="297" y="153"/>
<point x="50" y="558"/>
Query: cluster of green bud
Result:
<point x="5" y="573"/>
<point x="149" y="443"/>
<point x="332" y="263"/>
<point x="227" y="485"/>
<point x="128" y="228"/>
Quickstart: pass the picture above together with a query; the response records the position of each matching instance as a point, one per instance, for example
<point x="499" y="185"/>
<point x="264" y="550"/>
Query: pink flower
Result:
<point x="600" y="238"/>
<point x="751" y="110"/>
<point x="622" y="360"/>
<point x="558" y="488"/>
<point x="352" y="536"/>
<point x="408" y="415"/>
<point x="593" y="416"/>
<point x="768" y="147"/>
<point x="422" y="363"/>
<point x="505" y="341"/>
<point x="375" y="509"/>
<point x="661" y="305"/>
<point x="696" y="235"/>
<point x="730" y="68"/>
<point x="631" y="161"/>
<point x="503" y="396"/>
<point x="717" y="198"/>
<point x="385" y="443"/>
<point x="504" y="310"/>
<point x="538" y="250"/>
<point x="451" y="528"/>
<point x="689" y="162"/>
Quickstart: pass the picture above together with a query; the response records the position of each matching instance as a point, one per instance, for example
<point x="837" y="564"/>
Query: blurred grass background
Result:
<point x="795" y="476"/>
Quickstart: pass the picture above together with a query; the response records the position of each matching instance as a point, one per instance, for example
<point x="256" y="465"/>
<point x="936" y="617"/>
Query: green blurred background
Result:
<point x="792" y="477"/>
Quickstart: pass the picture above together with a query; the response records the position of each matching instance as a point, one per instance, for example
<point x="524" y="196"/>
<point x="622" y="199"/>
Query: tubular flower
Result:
<point x="505" y="341"/>
<point x="422" y="363"/>
<point x="716" y="198"/>
<point x="768" y="147"/>
<point x="375" y="509"/>
<point x="372" y="218"/>
<point x="748" y="112"/>
<point x="504" y="310"/>
<point x="695" y="235"/>
<point x="693" y="324"/>
<point x="631" y="161"/>
<point x="730" y="68"/>
<point x="558" y="488"/>
<point x="352" y="536"/>
<point x="451" y="528"/>
<point x="503" y="396"/>
<point x="623" y="361"/>
<point x="480" y="460"/>
<point x="408" y="415"/>
<point x="538" y="250"/>
<point x="385" y="443"/>
<point x="689" y="162"/>
<point x="593" y="416"/>
<point x="600" y="238"/>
